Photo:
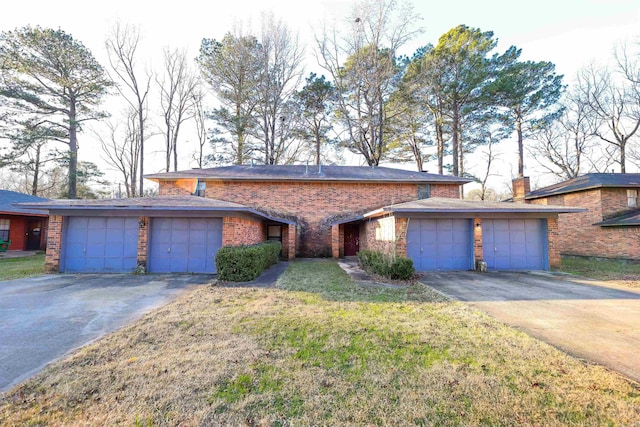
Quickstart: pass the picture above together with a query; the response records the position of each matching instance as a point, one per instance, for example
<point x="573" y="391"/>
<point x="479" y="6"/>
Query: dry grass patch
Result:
<point x="620" y="272"/>
<point x="320" y="351"/>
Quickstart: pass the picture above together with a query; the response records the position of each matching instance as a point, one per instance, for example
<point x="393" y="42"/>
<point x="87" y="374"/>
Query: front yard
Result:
<point x="15" y="268"/>
<point x="319" y="350"/>
<point x="621" y="272"/>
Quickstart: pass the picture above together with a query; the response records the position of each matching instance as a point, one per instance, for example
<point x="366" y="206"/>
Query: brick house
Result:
<point x="610" y="224"/>
<point x="314" y="211"/>
<point x="25" y="228"/>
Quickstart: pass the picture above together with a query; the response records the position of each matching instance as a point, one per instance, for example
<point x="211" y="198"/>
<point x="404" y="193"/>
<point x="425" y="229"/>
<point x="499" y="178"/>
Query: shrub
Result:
<point x="395" y="268"/>
<point x="245" y="263"/>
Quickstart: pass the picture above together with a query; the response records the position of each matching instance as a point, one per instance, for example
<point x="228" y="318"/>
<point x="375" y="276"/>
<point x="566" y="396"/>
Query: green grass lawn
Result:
<point x="618" y="271"/>
<point x="320" y="350"/>
<point x="15" y="268"/>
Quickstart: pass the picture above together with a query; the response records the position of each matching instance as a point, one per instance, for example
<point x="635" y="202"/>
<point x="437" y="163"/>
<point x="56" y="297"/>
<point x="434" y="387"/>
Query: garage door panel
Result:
<point x="184" y="245"/>
<point x="515" y="244"/>
<point x="98" y="244"/>
<point x="440" y="244"/>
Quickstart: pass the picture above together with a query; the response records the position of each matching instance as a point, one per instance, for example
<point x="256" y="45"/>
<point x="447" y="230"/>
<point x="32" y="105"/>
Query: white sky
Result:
<point x="569" y="33"/>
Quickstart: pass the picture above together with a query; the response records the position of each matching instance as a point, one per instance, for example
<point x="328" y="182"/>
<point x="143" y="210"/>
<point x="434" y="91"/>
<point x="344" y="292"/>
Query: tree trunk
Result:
<point x="168" y="150"/>
<point x="73" y="150"/>
<point x="317" y="132"/>
<point x="455" y="136"/>
<point x="520" y="148"/>
<point x="141" y="120"/>
<point x="36" y="171"/>
<point x="623" y="156"/>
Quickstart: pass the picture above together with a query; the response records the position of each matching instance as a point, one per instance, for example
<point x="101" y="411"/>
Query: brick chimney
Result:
<point x="521" y="187"/>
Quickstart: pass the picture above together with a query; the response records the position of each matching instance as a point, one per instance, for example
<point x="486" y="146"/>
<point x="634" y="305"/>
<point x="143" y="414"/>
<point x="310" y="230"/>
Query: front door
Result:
<point x="351" y="239"/>
<point x="34" y="235"/>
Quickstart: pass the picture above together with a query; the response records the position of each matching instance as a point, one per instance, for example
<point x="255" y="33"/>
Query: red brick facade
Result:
<point x="143" y="241"/>
<point x="54" y="244"/>
<point x="478" y="251"/>
<point x="241" y="231"/>
<point x="312" y="205"/>
<point x="577" y="234"/>
<point x="18" y="229"/>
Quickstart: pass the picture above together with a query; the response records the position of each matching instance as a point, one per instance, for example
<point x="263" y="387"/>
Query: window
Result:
<point x="632" y="198"/>
<point x="274" y="232"/>
<point x="4" y="229"/>
<point x="200" y="188"/>
<point x="424" y="191"/>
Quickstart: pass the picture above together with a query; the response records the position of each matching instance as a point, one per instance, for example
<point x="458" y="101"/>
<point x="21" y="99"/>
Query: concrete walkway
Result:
<point x="587" y="319"/>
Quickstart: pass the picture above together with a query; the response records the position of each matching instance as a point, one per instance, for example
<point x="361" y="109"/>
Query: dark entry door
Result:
<point x="351" y="239"/>
<point x="34" y="235"/>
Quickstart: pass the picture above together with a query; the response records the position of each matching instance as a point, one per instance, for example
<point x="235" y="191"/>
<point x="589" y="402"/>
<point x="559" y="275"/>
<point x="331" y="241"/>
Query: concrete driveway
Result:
<point x="584" y="318"/>
<point x="43" y="318"/>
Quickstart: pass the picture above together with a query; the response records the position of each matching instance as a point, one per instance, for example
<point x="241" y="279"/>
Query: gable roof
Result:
<point x="8" y="198"/>
<point x="588" y="182"/>
<point x="155" y="204"/>
<point x="310" y="173"/>
<point x="442" y="205"/>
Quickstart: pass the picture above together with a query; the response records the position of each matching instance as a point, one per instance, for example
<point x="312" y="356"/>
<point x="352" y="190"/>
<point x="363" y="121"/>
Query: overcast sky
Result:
<point x="569" y="33"/>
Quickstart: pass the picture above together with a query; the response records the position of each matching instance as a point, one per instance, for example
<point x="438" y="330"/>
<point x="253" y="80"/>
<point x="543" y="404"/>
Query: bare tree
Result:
<point x="566" y="145"/>
<point x="281" y="61"/>
<point x="361" y="60"/>
<point x="615" y="103"/>
<point x="122" y="149"/>
<point x="177" y="86"/>
<point x="122" y="48"/>
<point x="200" y="119"/>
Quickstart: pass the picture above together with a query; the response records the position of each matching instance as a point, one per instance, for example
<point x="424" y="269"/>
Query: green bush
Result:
<point x="245" y="263"/>
<point x="395" y="268"/>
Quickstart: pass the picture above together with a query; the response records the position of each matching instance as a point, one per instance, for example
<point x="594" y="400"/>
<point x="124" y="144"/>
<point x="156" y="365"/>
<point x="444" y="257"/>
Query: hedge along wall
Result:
<point x="245" y="263"/>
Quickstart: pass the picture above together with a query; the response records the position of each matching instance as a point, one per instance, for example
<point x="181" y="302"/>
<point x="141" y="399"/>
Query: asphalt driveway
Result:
<point x="43" y="318"/>
<point x="584" y="318"/>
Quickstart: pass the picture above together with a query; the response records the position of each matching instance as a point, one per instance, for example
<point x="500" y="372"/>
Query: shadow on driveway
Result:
<point x="43" y="318"/>
<point x="590" y="321"/>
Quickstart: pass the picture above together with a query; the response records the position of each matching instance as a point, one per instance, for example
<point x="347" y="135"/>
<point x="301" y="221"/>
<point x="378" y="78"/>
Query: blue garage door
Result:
<point x="515" y="244"/>
<point x="184" y="245"/>
<point x="100" y="245"/>
<point x="440" y="244"/>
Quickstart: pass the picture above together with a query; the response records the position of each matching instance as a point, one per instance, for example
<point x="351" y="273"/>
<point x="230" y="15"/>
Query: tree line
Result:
<point x="247" y="99"/>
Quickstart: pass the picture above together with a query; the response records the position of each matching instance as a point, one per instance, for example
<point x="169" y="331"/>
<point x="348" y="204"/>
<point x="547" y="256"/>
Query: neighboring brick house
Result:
<point x="314" y="211"/>
<point x="610" y="225"/>
<point x="25" y="228"/>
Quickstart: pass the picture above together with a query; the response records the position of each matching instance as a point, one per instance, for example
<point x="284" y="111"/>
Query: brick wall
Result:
<point x="445" y="190"/>
<point x="379" y="235"/>
<point x="242" y="231"/>
<point x="17" y="230"/>
<point x="478" y="248"/>
<point x="313" y="205"/>
<point x="553" y="239"/>
<point x="143" y="241"/>
<point x="54" y="244"/>
<point x="401" y="236"/>
<point x="578" y="236"/>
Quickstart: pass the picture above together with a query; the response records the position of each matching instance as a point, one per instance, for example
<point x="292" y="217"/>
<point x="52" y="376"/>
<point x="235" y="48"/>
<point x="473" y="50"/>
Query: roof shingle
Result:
<point x="310" y="173"/>
<point x="587" y="182"/>
<point x="8" y="198"/>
